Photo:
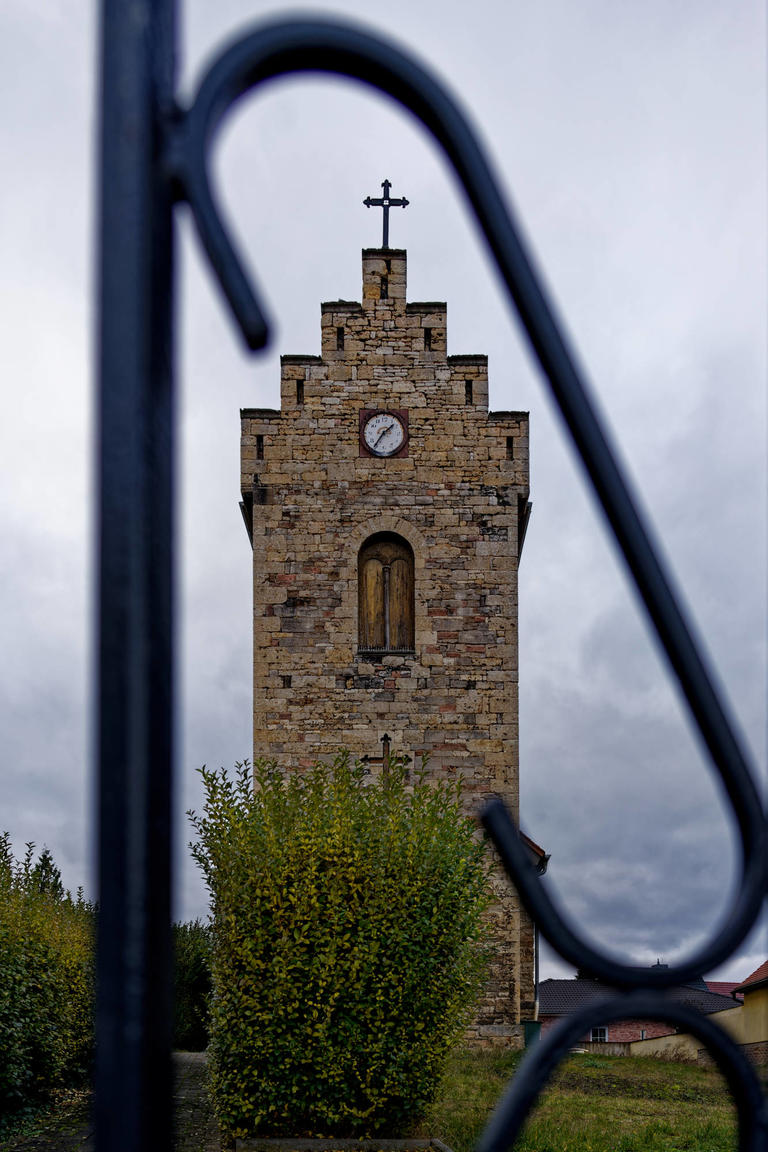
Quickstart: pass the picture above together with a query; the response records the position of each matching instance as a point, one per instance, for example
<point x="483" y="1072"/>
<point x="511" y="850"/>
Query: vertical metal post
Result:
<point x="135" y="531"/>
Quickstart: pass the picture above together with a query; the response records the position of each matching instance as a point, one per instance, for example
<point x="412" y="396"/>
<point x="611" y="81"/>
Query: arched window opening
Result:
<point x="385" y="594"/>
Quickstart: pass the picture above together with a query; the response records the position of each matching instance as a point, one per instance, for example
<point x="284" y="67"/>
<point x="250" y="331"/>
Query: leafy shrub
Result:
<point x="192" y="985"/>
<point x="46" y="979"/>
<point x="348" y="945"/>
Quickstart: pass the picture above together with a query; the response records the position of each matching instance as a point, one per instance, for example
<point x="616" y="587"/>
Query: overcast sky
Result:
<point x="632" y="140"/>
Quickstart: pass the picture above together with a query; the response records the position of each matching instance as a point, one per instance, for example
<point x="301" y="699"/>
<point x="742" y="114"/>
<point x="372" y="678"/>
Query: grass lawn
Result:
<point x="595" y="1104"/>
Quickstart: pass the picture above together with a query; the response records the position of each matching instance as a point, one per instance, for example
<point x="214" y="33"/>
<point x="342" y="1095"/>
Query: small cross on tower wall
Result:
<point x="385" y="759"/>
<point x="381" y="761"/>
<point x="385" y="202"/>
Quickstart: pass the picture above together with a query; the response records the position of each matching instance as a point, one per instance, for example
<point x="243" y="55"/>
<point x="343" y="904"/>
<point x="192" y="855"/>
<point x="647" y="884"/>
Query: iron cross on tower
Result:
<point x="386" y="203"/>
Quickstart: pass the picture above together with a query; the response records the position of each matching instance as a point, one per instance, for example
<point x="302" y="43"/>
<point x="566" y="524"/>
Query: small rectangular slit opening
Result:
<point x="468" y="392"/>
<point x="339" y="339"/>
<point x="384" y="289"/>
<point x="427" y="339"/>
<point x="510" y="447"/>
<point x="259" y="447"/>
<point x="299" y="391"/>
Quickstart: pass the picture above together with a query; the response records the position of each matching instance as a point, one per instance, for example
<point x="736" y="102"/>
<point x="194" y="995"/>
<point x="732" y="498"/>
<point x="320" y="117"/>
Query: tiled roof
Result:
<point x="562" y="997"/>
<point x="759" y="976"/>
<point x="722" y="987"/>
<point x="702" y="1001"/>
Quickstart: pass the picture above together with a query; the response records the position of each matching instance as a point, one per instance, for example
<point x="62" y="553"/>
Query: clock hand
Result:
<point x="383" y="433"/>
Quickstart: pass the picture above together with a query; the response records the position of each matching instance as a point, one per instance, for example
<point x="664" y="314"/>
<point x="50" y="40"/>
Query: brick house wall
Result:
<point x="621" y="1031"/>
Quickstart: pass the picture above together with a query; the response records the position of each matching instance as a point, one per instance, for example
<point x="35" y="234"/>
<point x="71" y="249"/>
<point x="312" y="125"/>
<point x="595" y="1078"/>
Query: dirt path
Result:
<point x="196" y="1128"/>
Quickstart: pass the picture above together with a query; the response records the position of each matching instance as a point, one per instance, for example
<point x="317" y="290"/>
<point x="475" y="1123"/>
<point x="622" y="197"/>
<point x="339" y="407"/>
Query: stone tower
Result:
<point x="387" y="509"/>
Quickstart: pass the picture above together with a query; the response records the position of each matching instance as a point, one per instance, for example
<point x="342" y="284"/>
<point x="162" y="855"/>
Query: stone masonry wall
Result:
<point x="459" y="496"/>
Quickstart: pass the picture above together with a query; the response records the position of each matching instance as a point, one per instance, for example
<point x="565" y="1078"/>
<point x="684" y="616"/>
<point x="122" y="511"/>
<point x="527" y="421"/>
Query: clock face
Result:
<point x="383" y="434"/>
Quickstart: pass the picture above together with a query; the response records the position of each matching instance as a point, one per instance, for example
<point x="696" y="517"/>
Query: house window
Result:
<point x="599" y="1035"/>
<point x="385" y="594"/>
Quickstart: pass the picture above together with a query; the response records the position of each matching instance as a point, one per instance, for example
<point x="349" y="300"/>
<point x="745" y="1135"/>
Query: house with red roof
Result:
<point x="725" y="988"/>
<point x="558" y="998"/>
<point x="746" y="1022"/>
<point x="758" y="979"/>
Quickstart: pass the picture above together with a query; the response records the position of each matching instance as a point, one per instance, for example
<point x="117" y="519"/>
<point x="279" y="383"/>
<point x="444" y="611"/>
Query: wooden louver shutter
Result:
<point x="371" y="607"/>
<point x="386" y="594"/>
<point x="400" y="603"/>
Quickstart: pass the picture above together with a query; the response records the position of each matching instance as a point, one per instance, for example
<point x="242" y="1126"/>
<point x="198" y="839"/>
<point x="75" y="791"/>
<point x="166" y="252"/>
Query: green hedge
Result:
<point x="191" y="985"/>
<point x="46" y="980"/>
<point x="348" y="945"/>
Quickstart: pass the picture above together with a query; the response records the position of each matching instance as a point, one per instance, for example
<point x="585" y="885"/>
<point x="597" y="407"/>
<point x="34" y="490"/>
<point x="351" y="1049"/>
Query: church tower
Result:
<point x="387" y="509"/>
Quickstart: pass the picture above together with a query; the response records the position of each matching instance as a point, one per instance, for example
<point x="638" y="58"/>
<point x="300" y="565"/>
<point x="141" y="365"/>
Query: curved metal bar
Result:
<point x="542" y="1060"/>
<point x="555" y="926"/>
<point x="274" y="49"/>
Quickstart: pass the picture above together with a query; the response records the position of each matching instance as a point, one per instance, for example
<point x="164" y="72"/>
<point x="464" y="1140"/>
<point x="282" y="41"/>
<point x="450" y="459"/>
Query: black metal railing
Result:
<point x="154" y="155"/>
